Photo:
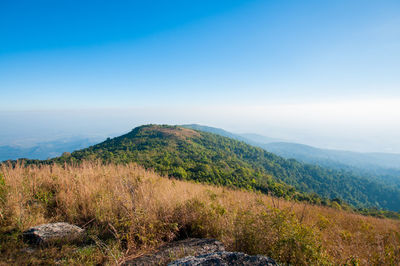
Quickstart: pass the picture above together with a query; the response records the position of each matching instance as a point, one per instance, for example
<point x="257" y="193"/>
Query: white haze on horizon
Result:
<point x="370" y="125"/>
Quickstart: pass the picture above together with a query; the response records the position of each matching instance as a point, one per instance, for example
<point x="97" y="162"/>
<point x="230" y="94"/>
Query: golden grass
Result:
<point x="128" y="210"/>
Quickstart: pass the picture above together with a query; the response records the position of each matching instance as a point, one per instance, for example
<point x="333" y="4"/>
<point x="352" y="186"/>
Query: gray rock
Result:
<point x="53" y="232"/>
<point x="224" y="258"/>
<point x="178" y="249"/>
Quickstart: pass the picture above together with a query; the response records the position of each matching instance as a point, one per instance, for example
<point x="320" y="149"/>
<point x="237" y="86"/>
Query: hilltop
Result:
<point x="189" y="154"/>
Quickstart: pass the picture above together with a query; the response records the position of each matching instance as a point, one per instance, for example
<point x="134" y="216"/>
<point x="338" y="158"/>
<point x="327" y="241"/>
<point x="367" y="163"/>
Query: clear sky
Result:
<point x="325" y="73"/>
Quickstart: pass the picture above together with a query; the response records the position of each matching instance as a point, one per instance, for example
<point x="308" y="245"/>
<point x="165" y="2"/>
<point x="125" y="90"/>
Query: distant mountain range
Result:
<point x="45" y="150"/>
<point x="249" y="138"/>
<point x="382" y="167"/>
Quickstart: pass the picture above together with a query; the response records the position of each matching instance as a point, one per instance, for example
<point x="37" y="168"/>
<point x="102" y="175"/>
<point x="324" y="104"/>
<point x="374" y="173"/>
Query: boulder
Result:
<point x="178" y="249"/>
<point x="224" y="258"/>
<point x="53" y="232"/>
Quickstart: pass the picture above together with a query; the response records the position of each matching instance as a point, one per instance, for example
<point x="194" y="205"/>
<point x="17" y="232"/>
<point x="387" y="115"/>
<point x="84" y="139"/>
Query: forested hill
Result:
<point x="383" y="168"/>
<point x="195" y="155"/>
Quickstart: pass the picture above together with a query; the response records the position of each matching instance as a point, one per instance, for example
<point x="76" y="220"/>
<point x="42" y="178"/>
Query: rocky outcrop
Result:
<point x="53" y="232"/>
<point x="224" y="258"/>
<point x="178" y="249"/>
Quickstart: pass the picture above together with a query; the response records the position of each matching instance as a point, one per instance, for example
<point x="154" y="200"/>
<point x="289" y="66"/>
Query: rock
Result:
<point x="178" y="249"/>
<point x="224" y="258"/>
<point x="53" y="232"/>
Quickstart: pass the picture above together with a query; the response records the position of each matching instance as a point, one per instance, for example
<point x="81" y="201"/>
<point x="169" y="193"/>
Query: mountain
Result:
<point x="383" y="167"/>
<point x="217" y="131"/>
<point x="332" y="157"/>
<point x="45" y="150"/>
<point x="256" y="138"/>
<point x="206" y="157"/>
<point x="250" y="138"/>
<point x="380" y="167"/>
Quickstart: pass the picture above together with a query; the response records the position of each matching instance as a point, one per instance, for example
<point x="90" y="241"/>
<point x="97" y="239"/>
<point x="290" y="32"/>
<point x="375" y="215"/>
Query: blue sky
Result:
<point x="281" y="68"/>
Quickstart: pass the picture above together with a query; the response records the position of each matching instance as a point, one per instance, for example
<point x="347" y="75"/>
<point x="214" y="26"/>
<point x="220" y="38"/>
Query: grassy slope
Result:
<point x="128" y="210"/>
<point x="206" y="157"/>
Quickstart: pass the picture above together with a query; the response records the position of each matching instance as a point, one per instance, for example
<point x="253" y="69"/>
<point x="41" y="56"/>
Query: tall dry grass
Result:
<point x="128" y="210"/>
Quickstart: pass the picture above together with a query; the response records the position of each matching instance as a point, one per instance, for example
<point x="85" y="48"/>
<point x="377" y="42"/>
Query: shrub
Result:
<point x="280" y="235"/>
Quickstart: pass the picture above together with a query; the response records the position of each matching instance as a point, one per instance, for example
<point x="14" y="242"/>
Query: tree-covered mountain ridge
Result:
<point x="378" y="167"/>
<point x="206" y="157"/>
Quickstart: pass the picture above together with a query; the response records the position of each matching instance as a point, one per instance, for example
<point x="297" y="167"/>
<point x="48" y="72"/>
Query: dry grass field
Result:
<point x="128" y="211"/>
